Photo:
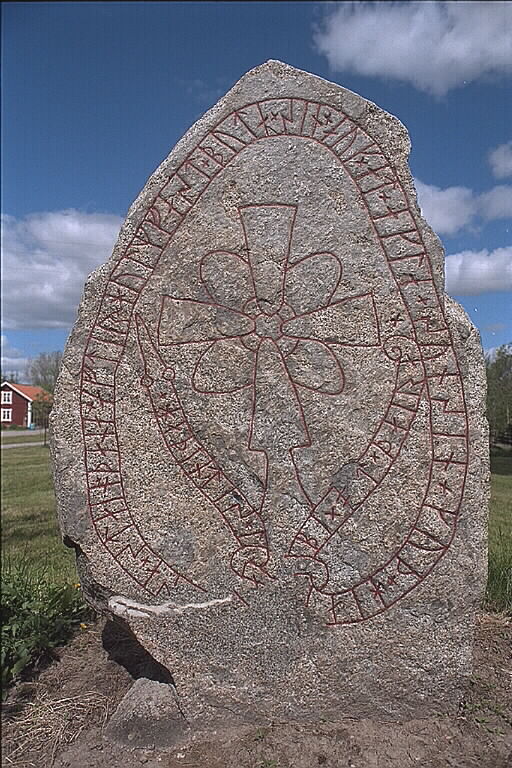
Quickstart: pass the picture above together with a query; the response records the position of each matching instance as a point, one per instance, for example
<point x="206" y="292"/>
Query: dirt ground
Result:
<point x="58" y="720"/>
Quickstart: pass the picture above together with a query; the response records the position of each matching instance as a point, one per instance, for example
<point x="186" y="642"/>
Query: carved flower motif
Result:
<point x="269" y="324"/>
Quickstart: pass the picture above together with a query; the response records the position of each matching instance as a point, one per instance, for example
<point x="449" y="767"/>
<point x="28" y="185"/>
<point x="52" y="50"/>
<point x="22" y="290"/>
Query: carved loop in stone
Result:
<point x="402" y="349"/>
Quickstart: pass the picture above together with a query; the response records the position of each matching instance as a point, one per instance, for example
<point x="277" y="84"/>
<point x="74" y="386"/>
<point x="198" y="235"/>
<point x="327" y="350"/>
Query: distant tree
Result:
<point x="12" y="376"/>
<point x="499" y="391"/>
<point x="43" y="370"/>
<point x="41" y="407"/>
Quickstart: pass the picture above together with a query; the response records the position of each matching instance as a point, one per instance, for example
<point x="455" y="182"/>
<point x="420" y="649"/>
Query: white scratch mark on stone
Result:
<point x="123" y="606"/>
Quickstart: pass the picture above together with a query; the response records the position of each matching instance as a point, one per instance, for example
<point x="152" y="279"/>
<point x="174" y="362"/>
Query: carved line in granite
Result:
<point x="248" y="538"/>
<point x="244" y="522"/>
<point x="394" y="225"/>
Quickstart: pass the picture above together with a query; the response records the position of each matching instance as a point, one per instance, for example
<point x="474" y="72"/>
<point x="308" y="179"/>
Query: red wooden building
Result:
<point x="16" y="403"/>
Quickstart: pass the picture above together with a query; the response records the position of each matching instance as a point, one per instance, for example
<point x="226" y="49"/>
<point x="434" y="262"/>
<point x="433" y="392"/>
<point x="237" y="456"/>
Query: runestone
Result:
<point x="269" y="434"/>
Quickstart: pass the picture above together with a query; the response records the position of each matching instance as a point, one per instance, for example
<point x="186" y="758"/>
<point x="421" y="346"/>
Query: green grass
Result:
<point x="12" y="437"/>
<point x="39" y="603"/>
<point x="29" y="524"/>
<point x="38" y="614"/>
<point x="499" y="584"/>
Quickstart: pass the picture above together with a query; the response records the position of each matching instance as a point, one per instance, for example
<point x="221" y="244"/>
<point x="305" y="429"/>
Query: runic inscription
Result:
<point x="265" y="328"/>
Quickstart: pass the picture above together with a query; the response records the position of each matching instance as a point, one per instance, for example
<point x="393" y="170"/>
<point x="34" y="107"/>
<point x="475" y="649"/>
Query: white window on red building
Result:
<point x="6" y="397"/>
<point x="6" y="414"/>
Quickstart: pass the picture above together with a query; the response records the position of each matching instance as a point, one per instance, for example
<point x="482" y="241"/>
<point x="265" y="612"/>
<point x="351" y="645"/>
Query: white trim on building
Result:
<point x="8" y="383"/>
<point x="6" y="414"/>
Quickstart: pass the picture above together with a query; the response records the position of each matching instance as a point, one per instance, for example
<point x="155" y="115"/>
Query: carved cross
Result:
<point x="270" y="323"/>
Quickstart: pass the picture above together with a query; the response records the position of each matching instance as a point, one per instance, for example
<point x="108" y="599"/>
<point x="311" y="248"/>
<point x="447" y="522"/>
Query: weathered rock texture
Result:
<point x="269" y="437"/>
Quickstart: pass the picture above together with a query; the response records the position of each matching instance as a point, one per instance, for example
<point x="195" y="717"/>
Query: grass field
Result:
<point x="12" y="437"/>
<point x="499" y="586"/>
<point x="29" y="524"/>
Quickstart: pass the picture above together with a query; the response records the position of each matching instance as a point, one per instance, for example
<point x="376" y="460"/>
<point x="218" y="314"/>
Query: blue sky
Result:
<point x="95" y="95"/>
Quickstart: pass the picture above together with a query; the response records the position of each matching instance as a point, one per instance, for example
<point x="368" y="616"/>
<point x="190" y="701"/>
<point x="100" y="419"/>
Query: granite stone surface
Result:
<point x="269" y="441"/>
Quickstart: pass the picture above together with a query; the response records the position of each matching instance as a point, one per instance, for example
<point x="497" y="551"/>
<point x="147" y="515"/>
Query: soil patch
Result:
<point x="58" y="720"/>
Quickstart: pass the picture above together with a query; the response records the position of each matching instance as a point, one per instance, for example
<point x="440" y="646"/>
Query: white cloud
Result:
<point x="446" y="210"/>
<point x="470" y="273"/>
<point x="500" y="160"/>
<point x="46" y="258"/>
<point x="496" y="203"/>
<point x="435" y="46"/>
<point x="454" y="208"/>
<point x="12" y="360"/>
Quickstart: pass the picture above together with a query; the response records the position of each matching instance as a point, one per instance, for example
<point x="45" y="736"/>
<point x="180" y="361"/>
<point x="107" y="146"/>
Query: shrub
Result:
<point x="38" y="613"/>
